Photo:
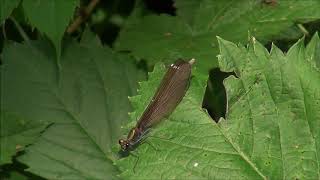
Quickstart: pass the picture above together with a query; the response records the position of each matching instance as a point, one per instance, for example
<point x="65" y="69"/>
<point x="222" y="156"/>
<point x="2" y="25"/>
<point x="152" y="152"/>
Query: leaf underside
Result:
<point x="85" y="100"/>
<point x="15" y="134"/>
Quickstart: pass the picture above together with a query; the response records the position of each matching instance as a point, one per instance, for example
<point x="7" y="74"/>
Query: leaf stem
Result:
<point x="84" y="14"/>
<point x="303" y="29"/>
<point x="20" y="29"/>
<point x="4" y="30"/>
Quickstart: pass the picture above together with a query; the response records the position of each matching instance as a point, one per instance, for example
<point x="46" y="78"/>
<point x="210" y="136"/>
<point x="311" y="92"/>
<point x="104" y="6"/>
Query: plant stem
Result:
<point x="20" y="29"/>
<point x="84" y="14"/>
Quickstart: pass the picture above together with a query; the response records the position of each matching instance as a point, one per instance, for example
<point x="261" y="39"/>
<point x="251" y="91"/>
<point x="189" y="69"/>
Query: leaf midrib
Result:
<point x="74" y="117"/>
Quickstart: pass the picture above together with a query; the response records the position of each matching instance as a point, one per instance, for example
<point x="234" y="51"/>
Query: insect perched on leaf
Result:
<point x="168" y="95"/>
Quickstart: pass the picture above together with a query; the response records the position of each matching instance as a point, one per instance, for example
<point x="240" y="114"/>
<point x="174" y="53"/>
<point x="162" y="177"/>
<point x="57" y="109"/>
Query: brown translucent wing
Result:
<point x="168" y="95"/>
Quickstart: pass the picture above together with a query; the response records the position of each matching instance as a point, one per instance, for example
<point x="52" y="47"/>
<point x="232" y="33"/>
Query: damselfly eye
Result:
<point x="120" y="141"/>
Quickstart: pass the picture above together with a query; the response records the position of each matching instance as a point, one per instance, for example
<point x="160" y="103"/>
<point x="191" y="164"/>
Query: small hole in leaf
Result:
<point x="161" y="6"/>
<point x="215" y="97"/>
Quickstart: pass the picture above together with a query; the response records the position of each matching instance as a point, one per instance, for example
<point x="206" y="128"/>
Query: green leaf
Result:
<point x="6" y="7"/>
<point x="313" y="51"/>
<point x="17" y="176"/>
<point x="191" y="34"/>
<point x="271" y="127"/>
<point x="15" y="134"/>
<point x="86" y="99"/>
<point x="50" y="18"/>
<point x="14" y="175"/>
<point x="11" y="172"/>
<point x="273" y="110"/>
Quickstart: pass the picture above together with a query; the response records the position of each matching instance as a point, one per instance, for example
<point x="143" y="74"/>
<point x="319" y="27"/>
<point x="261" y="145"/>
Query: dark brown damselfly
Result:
<point x="168" y="95"/>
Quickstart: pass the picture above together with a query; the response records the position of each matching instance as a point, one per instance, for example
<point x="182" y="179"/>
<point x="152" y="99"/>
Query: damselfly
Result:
<point x="168" y="95"/>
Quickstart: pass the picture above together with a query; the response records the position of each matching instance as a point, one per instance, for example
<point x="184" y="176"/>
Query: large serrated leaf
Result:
<point x="271" y="127"/>
<point x="85" y="99"/>
<point x="273" y="108"/>
<point x="191" y="34"/>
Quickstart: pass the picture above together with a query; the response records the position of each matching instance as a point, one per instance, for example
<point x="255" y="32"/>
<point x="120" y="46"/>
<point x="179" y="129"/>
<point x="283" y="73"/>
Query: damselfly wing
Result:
<point x="168" y="95"/>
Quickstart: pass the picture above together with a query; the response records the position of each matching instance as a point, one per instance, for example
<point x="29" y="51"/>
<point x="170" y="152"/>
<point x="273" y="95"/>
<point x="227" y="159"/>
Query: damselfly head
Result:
<point x="133" y="137"/>
<point x="124" y="144"/>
